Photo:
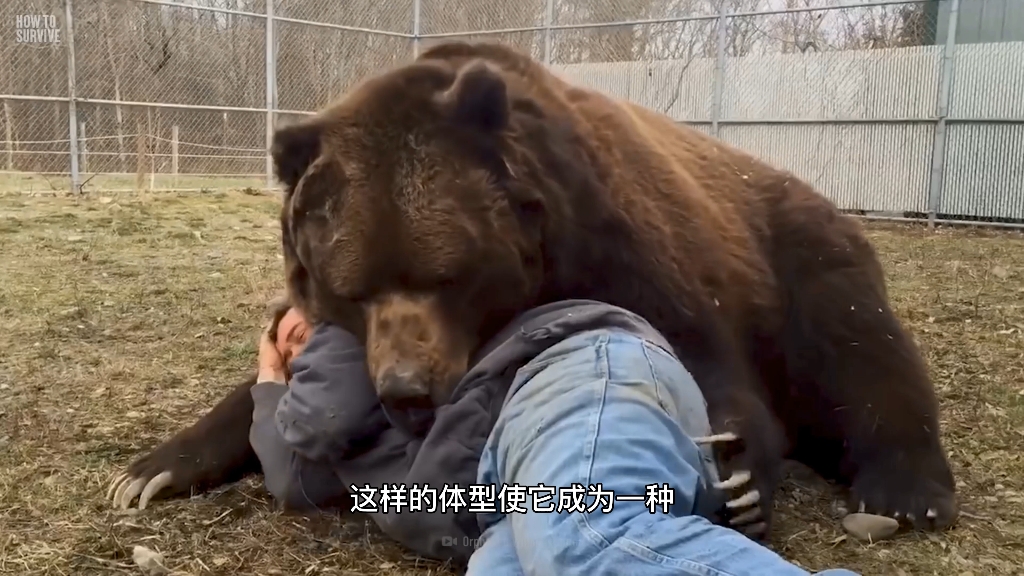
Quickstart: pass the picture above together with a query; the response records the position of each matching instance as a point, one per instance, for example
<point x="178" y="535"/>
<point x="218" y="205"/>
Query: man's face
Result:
<point x="292" y="332"/>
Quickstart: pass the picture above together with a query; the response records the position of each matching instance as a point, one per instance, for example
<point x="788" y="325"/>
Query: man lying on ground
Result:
<point x="573" y="393"/>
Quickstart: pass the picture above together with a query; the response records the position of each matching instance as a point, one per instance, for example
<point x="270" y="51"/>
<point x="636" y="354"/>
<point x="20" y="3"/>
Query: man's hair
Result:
<point x="276" y="308"/>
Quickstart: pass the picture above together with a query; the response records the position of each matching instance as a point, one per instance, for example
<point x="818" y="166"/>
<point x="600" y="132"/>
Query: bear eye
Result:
<point x="443" y="281"/>
<point x="353" y="296"/>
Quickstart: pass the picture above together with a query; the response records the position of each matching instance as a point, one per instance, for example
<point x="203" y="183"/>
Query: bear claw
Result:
<point x="746" y="517"/>
<point x="125" y="488"/>
<point x="739" y="478"/>
<point x="114" y="484"/>
<point x="723" y="437"/>
<point x="748" y="499"/>
<point x="734" y="481"/>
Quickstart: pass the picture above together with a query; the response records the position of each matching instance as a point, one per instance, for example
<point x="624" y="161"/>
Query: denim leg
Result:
<point x="606" y="408"/>
<point x="496" y="554"/>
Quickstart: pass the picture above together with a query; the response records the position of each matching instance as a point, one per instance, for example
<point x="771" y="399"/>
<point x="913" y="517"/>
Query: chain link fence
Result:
<point x="875" y="102"/>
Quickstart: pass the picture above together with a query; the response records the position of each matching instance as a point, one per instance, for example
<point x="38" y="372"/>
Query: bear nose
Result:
<point x="401" y="387"/>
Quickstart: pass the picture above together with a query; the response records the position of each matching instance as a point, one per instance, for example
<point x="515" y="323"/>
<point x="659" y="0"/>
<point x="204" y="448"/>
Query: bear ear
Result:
<point x="478" y="97"/>
<point x="294" y="147"/>
<point x="323" y="183"/>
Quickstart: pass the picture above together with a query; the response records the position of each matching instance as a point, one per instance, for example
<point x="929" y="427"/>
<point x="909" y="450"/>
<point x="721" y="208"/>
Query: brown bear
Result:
<point x="437" y="200"/>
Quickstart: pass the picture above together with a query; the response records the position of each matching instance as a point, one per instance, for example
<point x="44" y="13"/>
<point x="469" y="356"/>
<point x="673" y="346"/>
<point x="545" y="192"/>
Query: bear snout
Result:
<point x="400" y="386"/>
<point x="414" y="352"/>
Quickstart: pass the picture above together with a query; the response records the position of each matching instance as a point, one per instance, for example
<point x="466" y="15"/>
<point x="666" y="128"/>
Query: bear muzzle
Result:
<point x="415" y="355"/>
<point x="400" y="386"/>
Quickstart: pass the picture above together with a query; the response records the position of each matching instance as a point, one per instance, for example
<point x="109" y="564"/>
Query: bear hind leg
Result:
<point x="855" y="377"/>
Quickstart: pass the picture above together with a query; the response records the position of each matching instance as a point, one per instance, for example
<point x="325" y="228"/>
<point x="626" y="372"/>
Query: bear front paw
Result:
<point x="747" y="506"/>
<point x="187" y="463"/>
<point x="169" y="470"/>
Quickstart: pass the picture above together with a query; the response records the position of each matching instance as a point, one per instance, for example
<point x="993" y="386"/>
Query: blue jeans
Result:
<point x="605" y="407"/>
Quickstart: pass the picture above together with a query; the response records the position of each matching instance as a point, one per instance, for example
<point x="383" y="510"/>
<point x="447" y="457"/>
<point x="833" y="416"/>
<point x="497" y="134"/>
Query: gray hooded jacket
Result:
<point x="327" y="432"/>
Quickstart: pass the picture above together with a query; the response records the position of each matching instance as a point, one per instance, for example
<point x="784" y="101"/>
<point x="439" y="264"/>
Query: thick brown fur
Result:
<point x="472" y="184"/>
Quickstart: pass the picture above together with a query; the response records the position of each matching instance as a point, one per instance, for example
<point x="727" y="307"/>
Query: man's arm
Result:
<point x="326" y="431"/>
<point x="331" y="407"/>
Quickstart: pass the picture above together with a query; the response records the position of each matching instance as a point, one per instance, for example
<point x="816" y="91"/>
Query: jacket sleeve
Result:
<point x="329" y="409"/>
<point x="327" y="434"/>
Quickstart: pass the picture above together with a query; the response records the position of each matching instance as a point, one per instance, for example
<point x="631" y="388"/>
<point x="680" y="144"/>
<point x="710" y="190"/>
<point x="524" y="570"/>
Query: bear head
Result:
<point x="403" y="220"/>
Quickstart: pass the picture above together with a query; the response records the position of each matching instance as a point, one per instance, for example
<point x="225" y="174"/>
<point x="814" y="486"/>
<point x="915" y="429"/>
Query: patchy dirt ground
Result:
<point x="126" y="317"/>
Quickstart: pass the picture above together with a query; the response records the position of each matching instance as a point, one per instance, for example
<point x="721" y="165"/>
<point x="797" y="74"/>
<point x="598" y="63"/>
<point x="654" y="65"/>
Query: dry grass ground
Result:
<point x="126" y="317"/>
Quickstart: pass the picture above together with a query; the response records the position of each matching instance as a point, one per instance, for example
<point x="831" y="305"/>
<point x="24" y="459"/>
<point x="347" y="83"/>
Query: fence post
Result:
<point x="271" y="73"/>
<point x="716" y="104"/>
<point x="72" y="111"/>
<point x="935" y="180"/>
<point x="9" y="135"/>
<point x="83" y="149"/>
<point x="416" y="28"/>
<point x="549" y="20"/>
<point x="151" y="150"/>
<point x="140" y="156"/>
<point x="174" y="156"/>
